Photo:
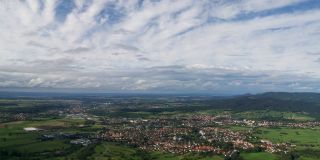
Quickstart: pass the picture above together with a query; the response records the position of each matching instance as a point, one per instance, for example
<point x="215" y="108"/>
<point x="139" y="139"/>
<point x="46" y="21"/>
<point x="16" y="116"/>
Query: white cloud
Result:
<point x="166" y="45"/>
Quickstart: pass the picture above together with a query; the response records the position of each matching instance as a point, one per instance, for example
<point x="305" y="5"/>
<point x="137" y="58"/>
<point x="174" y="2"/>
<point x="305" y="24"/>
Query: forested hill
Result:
<point x="279" y="101"/>
<point x="306" y="96"/>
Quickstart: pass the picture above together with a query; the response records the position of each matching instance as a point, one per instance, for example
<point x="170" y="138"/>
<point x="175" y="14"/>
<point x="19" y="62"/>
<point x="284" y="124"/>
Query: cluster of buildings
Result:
<point x="309" y="124"/>
<point x="275" y="147"/>
<point x="175" y="135"/>
<point x="193" y="133"/>
<point x="265" y="123"/>
<point x="81" y="141"/>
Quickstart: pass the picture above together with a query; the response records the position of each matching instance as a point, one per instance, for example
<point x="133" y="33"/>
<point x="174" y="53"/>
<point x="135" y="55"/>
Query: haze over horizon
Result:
<point x="202" y="46"/>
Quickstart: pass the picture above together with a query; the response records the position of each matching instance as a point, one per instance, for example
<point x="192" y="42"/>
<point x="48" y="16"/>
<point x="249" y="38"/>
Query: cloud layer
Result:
<point x="159" y="46"/>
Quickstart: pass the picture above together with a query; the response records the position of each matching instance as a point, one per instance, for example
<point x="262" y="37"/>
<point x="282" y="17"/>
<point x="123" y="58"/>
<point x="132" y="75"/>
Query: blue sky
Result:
<point x="207" y="46"/>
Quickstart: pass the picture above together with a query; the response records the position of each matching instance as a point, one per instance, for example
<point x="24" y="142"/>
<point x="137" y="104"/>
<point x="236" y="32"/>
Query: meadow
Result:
<point x="15" y="143"/>
<point x="19" y="143"/>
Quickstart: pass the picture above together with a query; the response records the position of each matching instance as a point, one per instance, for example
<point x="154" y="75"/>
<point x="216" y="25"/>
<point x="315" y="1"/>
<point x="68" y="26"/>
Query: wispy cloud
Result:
<point x="191" y="45"/>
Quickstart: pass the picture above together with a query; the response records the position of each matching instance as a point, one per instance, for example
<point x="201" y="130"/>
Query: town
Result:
<point x="167" y="126"/>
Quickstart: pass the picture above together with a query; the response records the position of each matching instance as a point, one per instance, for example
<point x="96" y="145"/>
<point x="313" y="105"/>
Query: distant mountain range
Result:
<point x="278" y="101"/>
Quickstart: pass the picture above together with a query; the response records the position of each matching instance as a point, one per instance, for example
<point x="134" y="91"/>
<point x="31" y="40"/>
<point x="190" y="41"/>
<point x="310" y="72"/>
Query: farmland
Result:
<point x="152" y="128"/>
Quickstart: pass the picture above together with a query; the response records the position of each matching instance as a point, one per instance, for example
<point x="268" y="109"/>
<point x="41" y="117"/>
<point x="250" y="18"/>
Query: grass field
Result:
<point x="259" y="156"/>
<point x="301" y="137"/>
<point x="304" y="139"/>
<point x="13" y="138"/>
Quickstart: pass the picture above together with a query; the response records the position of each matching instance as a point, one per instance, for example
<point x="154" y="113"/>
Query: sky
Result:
<point x="185" y="46"/>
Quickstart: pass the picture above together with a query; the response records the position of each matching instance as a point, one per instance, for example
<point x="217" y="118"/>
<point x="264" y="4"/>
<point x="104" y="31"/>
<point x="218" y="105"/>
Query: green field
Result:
<point x="28" y="144"/>
<point x="304" y="139"/>
<point x="259" y="156"/>
<point x="15" y="143"/>
<point x="300" y="137"/>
